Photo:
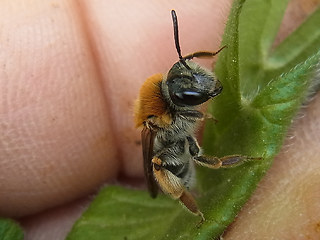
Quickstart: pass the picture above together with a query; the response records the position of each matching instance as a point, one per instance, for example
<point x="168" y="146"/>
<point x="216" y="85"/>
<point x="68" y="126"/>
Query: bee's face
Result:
<point x="193" y="86"/>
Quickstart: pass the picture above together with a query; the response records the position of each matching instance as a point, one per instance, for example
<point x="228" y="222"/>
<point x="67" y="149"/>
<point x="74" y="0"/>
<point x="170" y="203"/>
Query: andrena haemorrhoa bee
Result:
<point x="168" y="111"/>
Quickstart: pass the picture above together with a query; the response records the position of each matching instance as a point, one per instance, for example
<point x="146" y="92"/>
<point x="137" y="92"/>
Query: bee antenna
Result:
<point x="176" y="38"/>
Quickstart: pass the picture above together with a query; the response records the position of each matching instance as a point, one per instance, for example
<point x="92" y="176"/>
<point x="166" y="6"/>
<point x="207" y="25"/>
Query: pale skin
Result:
<point x="69" y="73"/>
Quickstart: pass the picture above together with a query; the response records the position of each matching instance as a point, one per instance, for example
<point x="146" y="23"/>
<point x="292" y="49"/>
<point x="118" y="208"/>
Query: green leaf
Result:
<point x="129" y="216"/>
<point x="10" y="230"/>
<point x="264" y="88"/>
<point x="295" y="49"/>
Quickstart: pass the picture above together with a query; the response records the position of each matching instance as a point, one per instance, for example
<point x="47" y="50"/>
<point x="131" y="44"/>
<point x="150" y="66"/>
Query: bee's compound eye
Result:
<point x="189" y="98"/>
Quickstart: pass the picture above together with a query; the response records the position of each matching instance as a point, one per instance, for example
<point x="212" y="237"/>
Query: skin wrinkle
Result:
<point x="105" y="87"/>
<point x="119" y="76"/>
<point x="51" y="145"/>
<point x="39" y="227"/>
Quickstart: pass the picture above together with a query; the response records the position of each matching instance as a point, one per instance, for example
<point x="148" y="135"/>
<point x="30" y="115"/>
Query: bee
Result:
<point x="168" y="111"/>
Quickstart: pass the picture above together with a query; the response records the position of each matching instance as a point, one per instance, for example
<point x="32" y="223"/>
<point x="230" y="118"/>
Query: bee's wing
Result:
<point x="147" y="137"/>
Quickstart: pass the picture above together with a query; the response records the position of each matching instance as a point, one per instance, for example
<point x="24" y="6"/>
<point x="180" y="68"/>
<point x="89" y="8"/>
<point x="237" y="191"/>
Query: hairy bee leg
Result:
<point x="171" y="185"/>
<point x="224" y="162"/>
<point x="210" y="117"/>
<point x="194" y="147"/>
<point x="168" y="182"/>
<point x="196" y="115"/>
<point x="191" y="114"/>
<point x="187" y="199"/>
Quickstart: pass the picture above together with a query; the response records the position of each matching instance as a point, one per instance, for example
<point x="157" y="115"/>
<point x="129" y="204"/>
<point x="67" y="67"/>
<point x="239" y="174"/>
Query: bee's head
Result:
<point x="187" y="83"/>
<point x="193" y="86"/>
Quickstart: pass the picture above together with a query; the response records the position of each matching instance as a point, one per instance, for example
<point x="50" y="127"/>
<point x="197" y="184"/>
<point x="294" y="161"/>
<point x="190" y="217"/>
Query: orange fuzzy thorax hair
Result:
<point x="150" y="101"/>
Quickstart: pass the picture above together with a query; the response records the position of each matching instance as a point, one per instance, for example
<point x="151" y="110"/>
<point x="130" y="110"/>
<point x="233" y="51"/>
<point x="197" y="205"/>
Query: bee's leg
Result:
<point x="191" y="114"/>
<point x="224" y="162"/>
<point x="196" y="115"/>
<point x="194" y="147"/>
<point x="187" y="199"/>
<point x="168" y="182"/>
<point x="210" y="117"/>
<point x="202" y="54"/>
<point x="215" y="162"/>
<point x="171" y="184"/>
